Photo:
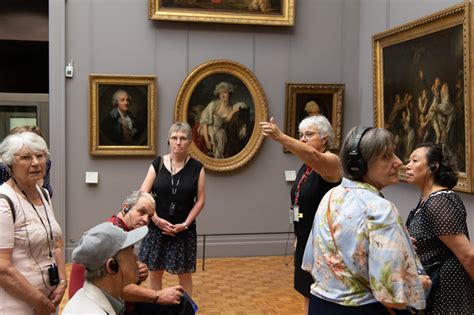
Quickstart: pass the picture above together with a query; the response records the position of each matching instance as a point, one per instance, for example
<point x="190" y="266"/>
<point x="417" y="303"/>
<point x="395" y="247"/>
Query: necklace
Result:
<point x="176" y="169"/>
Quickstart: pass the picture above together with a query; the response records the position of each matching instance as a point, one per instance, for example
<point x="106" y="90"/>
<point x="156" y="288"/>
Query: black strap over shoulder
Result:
<point x="12" y="207"/>
<point x="160" y="164"/>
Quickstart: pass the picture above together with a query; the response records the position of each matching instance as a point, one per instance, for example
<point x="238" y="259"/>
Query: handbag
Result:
<point x="186" y="307"/>
<point x="433" y="271"/>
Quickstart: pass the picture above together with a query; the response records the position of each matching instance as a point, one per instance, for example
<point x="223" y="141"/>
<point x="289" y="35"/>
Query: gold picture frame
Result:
<point x="122" y="114"/>
<point x="232" y="124"/>
<point x="422" y="81"/>
<point x="256" y="12"/>
<point x="305" y="99"/>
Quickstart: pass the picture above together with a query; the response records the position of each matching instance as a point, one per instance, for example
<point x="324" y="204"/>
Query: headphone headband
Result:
<point x="357" y="139"/>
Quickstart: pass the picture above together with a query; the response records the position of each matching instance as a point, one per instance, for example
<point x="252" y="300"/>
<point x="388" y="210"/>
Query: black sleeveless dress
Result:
<point x="175" y="254"/>
<point x="312" y="191"/>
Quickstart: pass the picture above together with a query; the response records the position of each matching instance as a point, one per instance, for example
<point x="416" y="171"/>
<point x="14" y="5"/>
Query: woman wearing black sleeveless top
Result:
<point x="320" y="172"/>
<point x="178" y="182"/>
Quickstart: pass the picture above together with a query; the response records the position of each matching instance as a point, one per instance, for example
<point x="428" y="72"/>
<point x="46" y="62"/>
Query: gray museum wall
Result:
<point x="330" y="43"/>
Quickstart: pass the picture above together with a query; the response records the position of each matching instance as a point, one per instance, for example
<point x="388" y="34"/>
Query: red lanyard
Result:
<point x="302" y="180"/>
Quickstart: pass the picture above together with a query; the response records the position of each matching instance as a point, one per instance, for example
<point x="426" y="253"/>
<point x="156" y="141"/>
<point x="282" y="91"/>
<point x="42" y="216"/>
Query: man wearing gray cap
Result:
<point x="106" y="251"/>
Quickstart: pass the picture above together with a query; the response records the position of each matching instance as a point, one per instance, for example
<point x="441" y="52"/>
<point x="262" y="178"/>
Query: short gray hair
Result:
<point x="133" y="198"/>
<point x="183" y="127"/>
<point x="323" y="125"/>
<point x="14" y="143"/>
<point x="115" y="97"/>
<point x="91" y="276"/>
<point x="374" y="142"/>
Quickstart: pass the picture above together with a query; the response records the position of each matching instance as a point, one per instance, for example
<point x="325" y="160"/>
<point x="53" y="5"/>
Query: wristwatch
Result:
<point x="185" y="226"/>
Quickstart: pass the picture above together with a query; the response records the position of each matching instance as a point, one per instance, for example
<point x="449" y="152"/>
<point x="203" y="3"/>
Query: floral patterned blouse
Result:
<point x="373" y="260"/>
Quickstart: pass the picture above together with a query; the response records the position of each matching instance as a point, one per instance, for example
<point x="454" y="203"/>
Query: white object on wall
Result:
<point x="92" y="177"/>
<point x="290" y="176"/>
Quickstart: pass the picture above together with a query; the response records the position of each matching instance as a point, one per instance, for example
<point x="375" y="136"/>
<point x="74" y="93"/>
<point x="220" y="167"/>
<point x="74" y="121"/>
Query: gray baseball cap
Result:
<point x="102" y="242"/>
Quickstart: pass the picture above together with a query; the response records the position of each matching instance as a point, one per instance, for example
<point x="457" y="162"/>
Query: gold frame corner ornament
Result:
<point x="242" y="73"/>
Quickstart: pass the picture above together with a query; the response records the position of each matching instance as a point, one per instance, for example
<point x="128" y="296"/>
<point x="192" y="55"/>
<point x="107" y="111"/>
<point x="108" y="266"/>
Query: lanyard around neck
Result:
<point x="306" y="173"/>
<point x="49" y="236"/>
<point x="174" y="189"/>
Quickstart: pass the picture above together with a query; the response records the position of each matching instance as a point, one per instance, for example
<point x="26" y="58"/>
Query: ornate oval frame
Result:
<point x="240" y="72"/>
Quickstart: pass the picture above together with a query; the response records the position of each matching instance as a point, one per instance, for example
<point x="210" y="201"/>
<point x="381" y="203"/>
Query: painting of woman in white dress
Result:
<point x="221" y="113"/>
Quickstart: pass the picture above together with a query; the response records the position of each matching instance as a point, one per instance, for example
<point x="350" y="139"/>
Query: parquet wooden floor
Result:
<point x="244" y="285"/>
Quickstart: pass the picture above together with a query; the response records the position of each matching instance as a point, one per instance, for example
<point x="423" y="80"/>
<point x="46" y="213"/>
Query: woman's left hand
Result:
<point x="178" y="228"/>
<point x="57" y="295"/>
<point x="270" y="129"/>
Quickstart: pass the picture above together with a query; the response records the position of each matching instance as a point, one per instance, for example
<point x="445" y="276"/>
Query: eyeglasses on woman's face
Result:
<point x="307" y="134"/>
<point x="27" y="158"/>
<point x="178" y="139"/>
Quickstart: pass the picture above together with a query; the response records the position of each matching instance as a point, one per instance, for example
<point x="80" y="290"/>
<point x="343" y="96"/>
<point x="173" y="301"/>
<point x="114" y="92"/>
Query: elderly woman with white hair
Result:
<point x="214" y="117"/>
<point x="321" y="170"/>
<point x="32" y="269"/>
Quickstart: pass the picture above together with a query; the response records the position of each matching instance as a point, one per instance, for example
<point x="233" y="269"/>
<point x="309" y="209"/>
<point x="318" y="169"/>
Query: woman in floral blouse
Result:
<point x="359" y="252"/>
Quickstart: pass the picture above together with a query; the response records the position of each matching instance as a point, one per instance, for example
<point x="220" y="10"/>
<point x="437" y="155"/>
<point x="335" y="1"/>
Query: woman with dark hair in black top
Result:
<point x="438" y="225"/>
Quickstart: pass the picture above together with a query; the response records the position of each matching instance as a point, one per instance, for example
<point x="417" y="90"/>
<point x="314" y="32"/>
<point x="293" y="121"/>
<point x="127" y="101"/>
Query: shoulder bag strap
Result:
<point x="161" y="164"/>
<point x="12" y="207"/>
<point x="157" y="172"/>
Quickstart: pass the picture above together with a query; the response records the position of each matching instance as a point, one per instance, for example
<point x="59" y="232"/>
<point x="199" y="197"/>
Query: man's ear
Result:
<point x="112" y="266"/>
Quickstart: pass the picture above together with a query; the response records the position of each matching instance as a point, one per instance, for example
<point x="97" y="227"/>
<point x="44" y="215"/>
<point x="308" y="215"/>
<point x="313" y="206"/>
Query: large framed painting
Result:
<point x="308" y="99"/>
<point x="422" y="86"/>
<point x="223" y="102"/>
<point x="122" y="114"/>
<point x="259" y="12"/>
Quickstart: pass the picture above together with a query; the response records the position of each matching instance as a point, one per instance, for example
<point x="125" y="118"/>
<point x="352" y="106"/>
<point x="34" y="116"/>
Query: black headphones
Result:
<point x="126" y="209"/>
<point x="114" y="265"/>
<point x="356" y="166"/>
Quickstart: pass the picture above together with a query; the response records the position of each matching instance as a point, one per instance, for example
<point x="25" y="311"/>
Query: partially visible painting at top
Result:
<point x="243" y="6"/>
<point x="265" y="12"/>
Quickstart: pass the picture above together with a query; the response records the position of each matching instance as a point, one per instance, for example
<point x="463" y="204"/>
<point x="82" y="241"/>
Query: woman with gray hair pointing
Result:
<point x="321" y="170"/>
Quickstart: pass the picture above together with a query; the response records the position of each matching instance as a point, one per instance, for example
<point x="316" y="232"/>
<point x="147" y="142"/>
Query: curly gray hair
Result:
<point x="14" y="143"/>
